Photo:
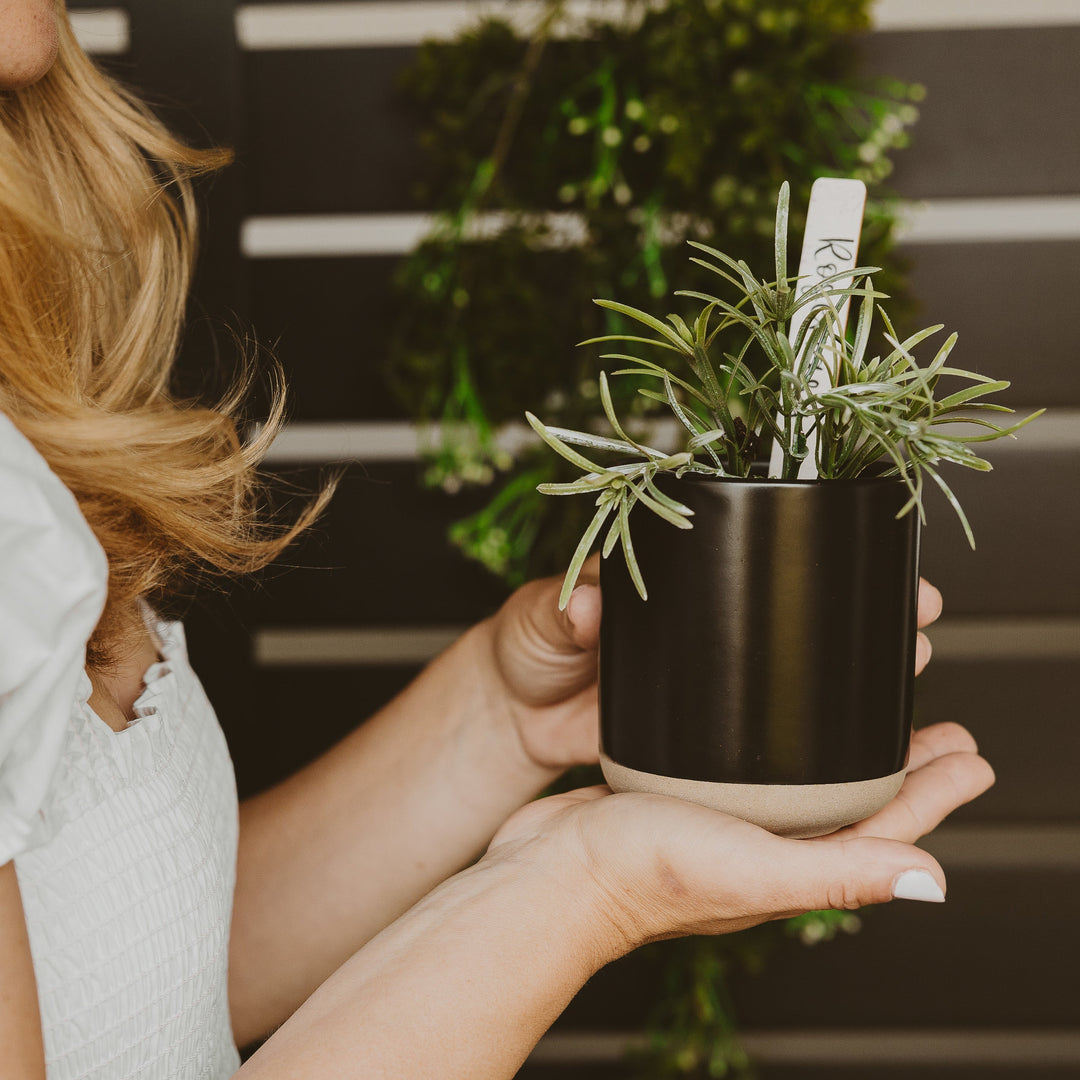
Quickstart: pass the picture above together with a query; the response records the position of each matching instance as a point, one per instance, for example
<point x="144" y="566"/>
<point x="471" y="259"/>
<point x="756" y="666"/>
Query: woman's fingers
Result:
<point x="583" y="614"/>
<point x="923" y="649"/>
<point x="929" y="603"/>
<point x="928" y="796"/>
<point x="937" y="740"/>
<point x="929" y="610"/>
<point x="742" y="876"/>
<point x="851" y="872"/>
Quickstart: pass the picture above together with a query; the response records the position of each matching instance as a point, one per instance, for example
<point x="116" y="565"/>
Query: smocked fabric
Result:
<point x="124" y="843"/>
<point x="128" y="905"/>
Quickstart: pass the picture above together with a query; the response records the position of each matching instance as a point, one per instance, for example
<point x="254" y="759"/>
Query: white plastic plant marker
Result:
<point x="830" y="245"/>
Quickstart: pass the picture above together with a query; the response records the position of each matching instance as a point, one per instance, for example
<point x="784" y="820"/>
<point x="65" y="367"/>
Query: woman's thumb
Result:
<point x="583" y="616"/>
<point x="851" y="873"/>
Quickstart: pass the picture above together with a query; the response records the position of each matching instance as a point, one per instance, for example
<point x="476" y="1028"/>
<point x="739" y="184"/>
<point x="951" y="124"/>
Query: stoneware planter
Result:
<point x="770" y="672"/>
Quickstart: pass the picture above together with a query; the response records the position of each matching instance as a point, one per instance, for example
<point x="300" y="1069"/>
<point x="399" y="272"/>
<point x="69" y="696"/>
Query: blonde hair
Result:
<point x="97" y="241"/>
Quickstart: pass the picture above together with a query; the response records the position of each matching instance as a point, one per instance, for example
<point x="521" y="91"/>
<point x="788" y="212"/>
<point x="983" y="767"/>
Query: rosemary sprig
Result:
<point x="878" y="409"/>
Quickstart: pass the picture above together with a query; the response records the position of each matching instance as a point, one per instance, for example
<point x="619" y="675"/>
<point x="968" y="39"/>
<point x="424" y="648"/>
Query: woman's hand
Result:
<point x="660" y="867"/>
<point x="544" y="664"/>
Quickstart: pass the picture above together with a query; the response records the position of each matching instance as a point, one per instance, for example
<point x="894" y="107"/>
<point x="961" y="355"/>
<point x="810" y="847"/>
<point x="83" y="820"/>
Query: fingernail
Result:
<point x="571" y="599"/>
<point x="917" y="885"/>
<point x="924" y="648"/>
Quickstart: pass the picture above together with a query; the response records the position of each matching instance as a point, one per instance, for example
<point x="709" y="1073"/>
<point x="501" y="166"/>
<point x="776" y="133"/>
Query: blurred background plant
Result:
<point x="563" y="169"/>
<point x="574" y="161"/>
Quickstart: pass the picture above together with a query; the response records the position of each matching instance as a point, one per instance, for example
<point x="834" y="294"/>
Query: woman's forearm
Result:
<point x="461" y="986"/>
<point x="335" y="853"/>
<point x="464" y="984"/>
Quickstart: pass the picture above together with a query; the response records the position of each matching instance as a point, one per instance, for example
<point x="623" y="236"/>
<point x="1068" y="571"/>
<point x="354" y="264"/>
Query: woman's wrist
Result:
<point x="464" y="983"/>
<point x="561" y="894"/>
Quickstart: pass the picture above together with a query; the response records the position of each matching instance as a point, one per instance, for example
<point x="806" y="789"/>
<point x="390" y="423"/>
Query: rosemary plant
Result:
<point x="738" y="381"/>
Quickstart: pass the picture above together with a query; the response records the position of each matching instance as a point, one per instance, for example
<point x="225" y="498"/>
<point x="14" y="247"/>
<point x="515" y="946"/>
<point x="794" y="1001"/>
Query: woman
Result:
<point x="354" y="931"/>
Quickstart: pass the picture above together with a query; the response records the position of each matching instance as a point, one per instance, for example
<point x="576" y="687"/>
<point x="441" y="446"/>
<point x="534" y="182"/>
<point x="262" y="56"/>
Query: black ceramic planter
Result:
<point x="770" y="672"/>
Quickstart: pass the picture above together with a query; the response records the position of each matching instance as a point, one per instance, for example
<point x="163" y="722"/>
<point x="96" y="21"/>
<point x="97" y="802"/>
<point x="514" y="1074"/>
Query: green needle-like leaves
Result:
<point x="733" y="400"/>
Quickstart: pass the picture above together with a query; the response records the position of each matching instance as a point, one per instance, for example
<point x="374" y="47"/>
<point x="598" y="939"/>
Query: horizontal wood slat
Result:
<point x="373" y="23"/>
<point x="313" y="24"/>
<point x="286" y="24"/>
<point x="103" y="31"/>
<point x="1012" y="847"/>
<point x="316" y="442"/>
<point x="1007" y="640"/>
<point x="919" y="222"/>
<point x="352" y="646"/>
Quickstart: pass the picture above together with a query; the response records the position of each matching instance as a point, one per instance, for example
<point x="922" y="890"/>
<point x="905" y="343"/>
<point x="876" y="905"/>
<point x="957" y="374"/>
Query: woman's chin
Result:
<point x="28" y="43"/>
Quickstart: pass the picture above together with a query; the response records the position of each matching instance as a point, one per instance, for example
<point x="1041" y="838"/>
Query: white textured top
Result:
<point x="124" y="842"/>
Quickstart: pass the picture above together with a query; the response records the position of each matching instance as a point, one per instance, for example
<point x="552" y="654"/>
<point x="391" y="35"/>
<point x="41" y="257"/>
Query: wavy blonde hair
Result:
<point x="97" y="241"/>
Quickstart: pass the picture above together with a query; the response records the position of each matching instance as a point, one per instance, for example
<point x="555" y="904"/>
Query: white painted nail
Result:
<point x="917" y="885"/>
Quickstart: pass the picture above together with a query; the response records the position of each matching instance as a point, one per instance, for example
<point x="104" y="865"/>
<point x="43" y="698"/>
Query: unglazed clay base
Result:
<point x="794" y="810"/>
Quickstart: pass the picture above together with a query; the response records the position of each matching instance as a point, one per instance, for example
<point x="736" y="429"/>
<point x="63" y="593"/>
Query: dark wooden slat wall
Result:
<point x="321" y="132"/>
<point x="984" y="130"/>
<point x="1001" y="117"/>
<point x="184" y="60"/>
<point x="325" y="344"/>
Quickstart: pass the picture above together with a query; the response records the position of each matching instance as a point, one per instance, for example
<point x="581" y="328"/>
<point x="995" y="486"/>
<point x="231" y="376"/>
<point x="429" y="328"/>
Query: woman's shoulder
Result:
<point x="41" y="519"/>
<point x="53" y="579"/>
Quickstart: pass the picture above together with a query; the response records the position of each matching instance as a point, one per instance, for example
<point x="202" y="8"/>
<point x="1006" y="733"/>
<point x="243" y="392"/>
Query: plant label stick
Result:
<point x="830" y="244"/>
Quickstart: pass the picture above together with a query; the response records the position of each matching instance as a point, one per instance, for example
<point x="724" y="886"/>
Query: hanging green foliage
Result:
<point x="575" y="161"/>
<point x="568" y="168"/>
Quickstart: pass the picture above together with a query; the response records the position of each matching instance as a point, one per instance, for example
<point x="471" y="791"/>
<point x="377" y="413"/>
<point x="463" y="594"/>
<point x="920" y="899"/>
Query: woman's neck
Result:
<point x="116" y="688"/>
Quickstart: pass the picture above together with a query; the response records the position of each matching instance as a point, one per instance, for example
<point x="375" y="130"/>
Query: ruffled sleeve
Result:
<point x="53" y="576"/>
